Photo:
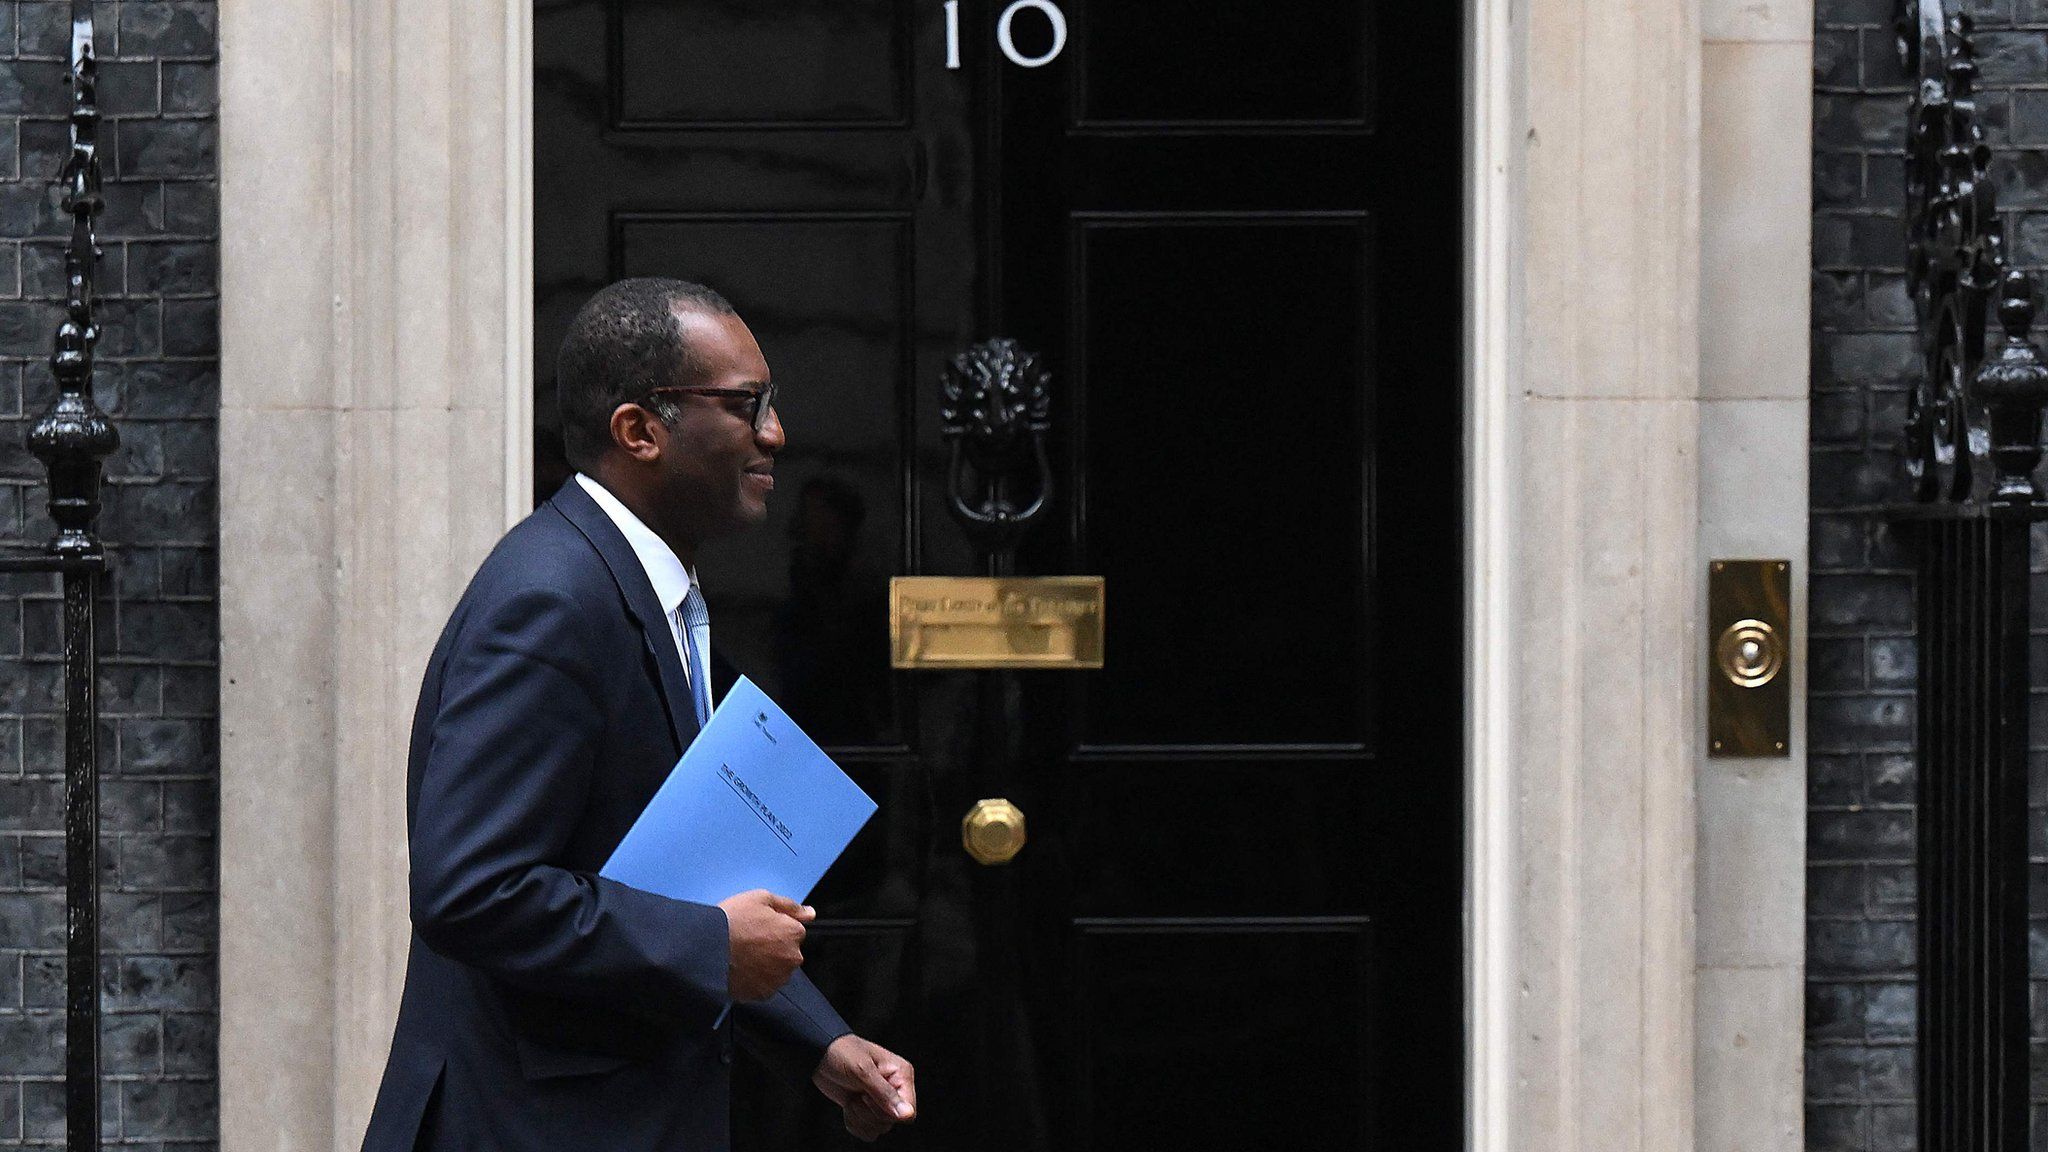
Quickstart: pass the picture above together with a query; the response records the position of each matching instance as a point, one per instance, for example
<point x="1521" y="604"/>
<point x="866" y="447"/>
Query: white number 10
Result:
<point x="1053" y="15"/>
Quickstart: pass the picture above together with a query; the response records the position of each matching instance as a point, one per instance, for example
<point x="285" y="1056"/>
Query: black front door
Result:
<point x="1231" y="232"/>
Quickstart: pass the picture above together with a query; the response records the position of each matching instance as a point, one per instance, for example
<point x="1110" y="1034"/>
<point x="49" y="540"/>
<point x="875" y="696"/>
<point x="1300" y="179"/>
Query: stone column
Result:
<point x="1583" y="775"/>
<point x="376" y="295"/>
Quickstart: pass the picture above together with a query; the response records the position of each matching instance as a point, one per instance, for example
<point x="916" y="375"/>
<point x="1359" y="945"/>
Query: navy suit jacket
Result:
<point x="546" y="1008"/>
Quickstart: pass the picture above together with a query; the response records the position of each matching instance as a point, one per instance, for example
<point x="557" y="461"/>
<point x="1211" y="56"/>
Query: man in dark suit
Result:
<point x="547" y="1009"/>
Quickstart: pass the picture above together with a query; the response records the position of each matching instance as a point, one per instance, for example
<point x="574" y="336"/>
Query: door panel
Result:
<point x="1168" y="1011"/>
<point x="792" y="64"/>
<point x="1145" y="836"/>
<point x="1296" y="63"/>
<point x="1255" y="305"/>
<point x="1232" y="236"/>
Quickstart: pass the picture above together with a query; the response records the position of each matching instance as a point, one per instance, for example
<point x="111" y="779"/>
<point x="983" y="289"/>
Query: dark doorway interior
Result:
<point x="1232" y="232"/>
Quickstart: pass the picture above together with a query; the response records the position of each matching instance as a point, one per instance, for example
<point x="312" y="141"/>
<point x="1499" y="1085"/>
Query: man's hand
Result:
<point x="875" y="1088"/>
<point x="767" y="935"/>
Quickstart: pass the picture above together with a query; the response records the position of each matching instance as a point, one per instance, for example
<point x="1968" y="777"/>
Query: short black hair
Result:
<point x="623" y="341"/>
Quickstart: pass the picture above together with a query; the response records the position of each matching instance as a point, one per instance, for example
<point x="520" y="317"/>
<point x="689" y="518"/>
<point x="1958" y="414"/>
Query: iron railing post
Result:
<point x="71" y="439"/>
<point x="1972" y="440"/>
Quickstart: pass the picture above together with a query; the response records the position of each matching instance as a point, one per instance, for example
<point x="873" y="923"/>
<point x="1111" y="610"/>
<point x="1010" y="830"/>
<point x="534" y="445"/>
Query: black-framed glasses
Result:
<point x="760" y="401"/>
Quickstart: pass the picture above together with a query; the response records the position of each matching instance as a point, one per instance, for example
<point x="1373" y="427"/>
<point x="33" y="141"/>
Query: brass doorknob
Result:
<point x="992" y="831"/>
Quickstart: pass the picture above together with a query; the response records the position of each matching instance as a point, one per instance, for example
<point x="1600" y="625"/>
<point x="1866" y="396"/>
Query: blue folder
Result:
<point x="753" y="803"/>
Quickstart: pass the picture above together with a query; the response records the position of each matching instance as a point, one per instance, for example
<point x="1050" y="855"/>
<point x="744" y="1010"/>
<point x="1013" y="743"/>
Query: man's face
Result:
<point x="716" y="471"/>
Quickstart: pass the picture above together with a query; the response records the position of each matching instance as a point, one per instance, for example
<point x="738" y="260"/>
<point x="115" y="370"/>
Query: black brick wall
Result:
<point x="158" y="377"/>
<point x="1860" y="947"/>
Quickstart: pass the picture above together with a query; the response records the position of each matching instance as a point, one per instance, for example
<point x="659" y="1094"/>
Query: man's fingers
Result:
<point x="790" y="908"/>
<point x="877" y="1085"/>
<point x="864" y="1120"/>
<point x="885" y="1095"/>
<point x="900" y="1073"/>
<point x="905" y="1080"/>
<point x="836" y="1092"/>
<point x="867" y="1081"/>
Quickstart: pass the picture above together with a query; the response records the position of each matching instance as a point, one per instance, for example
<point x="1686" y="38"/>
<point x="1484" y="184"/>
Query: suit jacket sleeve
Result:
<point x="790" y="1030"/>
<point x="512" y="756"/>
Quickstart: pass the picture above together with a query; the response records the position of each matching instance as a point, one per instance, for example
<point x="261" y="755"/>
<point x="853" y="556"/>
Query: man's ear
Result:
<point x="637" y="432"/>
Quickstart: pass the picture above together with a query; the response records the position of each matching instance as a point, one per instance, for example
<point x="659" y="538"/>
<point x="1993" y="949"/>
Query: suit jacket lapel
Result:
<point x="576" y="505"/>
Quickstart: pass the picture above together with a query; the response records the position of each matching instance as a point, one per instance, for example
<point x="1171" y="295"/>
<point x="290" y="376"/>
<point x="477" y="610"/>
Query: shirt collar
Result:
<point x="664" y="570"/>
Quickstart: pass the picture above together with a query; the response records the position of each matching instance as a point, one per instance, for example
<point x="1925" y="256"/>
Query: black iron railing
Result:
<point x="1972" y="442"/>
<point x="71" y="439"/>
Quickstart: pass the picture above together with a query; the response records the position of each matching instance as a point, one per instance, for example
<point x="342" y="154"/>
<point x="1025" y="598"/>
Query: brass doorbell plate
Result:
<point x="1749" y="637"/>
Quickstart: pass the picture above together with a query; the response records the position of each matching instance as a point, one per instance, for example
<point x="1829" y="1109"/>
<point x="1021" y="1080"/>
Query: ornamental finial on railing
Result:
<point x="74" y="435"/>
<point x="2013" y="387"/>
<point x="1954" y="256"/>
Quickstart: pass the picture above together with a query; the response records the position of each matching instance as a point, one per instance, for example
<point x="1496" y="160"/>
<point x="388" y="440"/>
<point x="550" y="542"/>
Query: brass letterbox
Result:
<point x="995" y="622"/>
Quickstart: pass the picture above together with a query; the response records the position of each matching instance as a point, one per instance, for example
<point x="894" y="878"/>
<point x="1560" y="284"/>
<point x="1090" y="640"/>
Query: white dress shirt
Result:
<point x="665" y="571"/>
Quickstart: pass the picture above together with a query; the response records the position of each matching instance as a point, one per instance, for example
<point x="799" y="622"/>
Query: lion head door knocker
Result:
<point x="995" y="411"/>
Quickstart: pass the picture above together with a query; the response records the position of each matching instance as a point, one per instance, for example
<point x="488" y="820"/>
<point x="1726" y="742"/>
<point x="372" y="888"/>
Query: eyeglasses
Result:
<point x="760" y="401"/>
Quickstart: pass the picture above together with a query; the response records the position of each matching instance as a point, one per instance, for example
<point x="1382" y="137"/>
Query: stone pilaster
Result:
<point x="374" y="444"/>
<point x="1605" y="597"/>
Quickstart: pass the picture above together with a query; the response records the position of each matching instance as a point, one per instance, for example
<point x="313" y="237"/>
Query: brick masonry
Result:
<point x="158" y="377"/>
<point x="1860" y="946"/>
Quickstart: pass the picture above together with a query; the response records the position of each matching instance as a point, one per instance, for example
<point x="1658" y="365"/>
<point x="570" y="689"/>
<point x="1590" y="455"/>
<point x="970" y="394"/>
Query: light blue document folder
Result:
<point x="753" y="803"/>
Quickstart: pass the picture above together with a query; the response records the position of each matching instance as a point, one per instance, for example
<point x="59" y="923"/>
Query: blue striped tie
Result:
<point x="696" y="621"/>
